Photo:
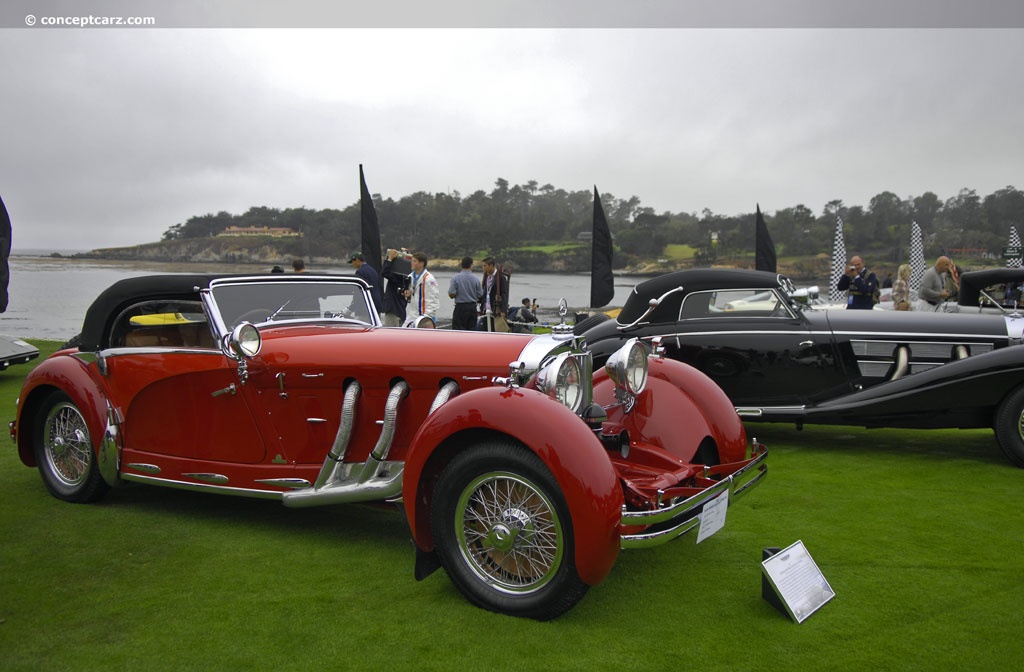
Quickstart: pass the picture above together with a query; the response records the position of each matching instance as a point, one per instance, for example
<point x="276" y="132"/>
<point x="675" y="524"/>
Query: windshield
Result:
<point x="262" y="302"/>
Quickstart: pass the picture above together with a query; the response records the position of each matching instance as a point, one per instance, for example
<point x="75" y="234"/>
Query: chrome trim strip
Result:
<point x="758" y="411"/>
<point x="687" y="512"/>
<point x="202" y="487"/>
<point x="206" y="477"/>
<point x="894" y="334"/>
<point x="997" y="338"/>
<point x="145" y="468"/>
<point x="285" y="482"/>
<point x="157" y="350"/>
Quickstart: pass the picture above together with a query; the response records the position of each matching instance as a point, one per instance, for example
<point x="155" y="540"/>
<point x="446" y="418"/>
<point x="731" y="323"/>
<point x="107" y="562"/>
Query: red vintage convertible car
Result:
<point x="521" y="472"/>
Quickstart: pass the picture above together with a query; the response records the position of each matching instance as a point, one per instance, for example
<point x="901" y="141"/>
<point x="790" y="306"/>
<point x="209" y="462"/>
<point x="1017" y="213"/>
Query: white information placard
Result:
<point x="798" y="581"/>
<point x="712" y="518"/>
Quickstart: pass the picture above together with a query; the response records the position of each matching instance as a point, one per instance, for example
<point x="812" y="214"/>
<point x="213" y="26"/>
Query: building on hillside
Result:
<point x="272" y="231"/>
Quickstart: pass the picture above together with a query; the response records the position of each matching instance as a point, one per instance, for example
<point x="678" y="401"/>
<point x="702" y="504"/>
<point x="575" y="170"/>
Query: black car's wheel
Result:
<point x="64" y="452"/>
<point x="503" y="532"/>
<point x="1010" y="426"/>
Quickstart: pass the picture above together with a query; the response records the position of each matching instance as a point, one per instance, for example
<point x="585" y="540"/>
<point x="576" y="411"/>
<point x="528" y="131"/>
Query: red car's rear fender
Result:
<point x="72" y="376"/>
<point x="560" y="438"/>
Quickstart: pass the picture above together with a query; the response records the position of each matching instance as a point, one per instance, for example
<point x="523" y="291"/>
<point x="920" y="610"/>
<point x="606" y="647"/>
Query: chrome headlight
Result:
<point x="627" y="367"/>
<point x="245" y="340"/>
<point x="563" y="380"/>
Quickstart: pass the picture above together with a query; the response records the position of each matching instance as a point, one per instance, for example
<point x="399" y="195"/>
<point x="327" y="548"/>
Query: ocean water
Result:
<point x="49" y="295"/>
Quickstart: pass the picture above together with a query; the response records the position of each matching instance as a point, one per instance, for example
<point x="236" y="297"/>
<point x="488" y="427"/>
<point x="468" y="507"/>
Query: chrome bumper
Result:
<point x="673" y="521"/>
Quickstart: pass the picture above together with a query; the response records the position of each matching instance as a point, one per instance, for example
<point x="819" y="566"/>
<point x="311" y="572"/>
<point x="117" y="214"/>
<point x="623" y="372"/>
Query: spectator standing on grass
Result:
<point x="466" y="290"/>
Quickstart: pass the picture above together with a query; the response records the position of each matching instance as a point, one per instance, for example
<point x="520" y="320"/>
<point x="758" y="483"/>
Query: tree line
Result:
<point x="511" y="217"/>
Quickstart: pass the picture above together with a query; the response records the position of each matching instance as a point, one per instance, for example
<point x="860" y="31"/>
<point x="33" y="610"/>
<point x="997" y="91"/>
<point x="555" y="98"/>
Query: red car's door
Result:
<point x="184" y="404"/>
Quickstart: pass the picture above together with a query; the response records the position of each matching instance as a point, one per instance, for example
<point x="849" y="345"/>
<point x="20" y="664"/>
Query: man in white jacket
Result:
<point x="424" y="294"/>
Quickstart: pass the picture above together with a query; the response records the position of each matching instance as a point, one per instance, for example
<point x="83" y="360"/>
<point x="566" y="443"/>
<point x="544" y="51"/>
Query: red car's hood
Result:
<point x="327" y="345"/>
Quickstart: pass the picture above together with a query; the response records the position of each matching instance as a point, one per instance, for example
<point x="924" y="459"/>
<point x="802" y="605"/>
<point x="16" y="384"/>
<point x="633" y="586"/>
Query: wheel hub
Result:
<point x="504" y="534"/>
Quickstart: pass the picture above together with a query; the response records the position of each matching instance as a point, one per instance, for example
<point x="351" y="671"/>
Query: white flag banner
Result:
<point x="838" y="264"/>
<point x="1014" y="242"/>
<point x="917" y="267"/>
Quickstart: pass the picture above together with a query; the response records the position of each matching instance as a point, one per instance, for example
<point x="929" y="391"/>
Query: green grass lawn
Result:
<point x="677" y="252"/>
<point x="549" y="248"/>
<point x="920" y="534"/>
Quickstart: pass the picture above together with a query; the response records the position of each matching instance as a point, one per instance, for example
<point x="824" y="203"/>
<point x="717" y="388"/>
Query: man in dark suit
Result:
<point x="495" y="302"/>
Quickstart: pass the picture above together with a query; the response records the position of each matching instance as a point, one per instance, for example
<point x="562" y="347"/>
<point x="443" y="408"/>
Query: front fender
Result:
<point x="562" y="440"/>
<point x="678" y="408"/>
<point x="72" y="376"/>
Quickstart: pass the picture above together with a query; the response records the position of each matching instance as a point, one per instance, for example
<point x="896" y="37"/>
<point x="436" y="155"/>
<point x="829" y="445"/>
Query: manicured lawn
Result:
<point x="675" y="252"/>
<point x="921" y="535"/>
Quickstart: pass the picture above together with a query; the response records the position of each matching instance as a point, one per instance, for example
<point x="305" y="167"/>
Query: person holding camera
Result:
<point x="861" y="286"/>
<point x="528" y="311"/>
<point x="393" y="301"/>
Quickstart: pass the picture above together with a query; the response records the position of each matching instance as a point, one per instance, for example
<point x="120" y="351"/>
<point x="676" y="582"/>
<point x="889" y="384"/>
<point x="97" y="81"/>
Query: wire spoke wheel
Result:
<point x="509" y="532"/>
<point x="503" y="532"/>
<point x="66" y="444"/>
<point x="64" y="451"/>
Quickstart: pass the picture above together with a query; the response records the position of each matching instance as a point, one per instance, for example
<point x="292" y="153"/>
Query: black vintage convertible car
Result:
<point x="779" y="361"/>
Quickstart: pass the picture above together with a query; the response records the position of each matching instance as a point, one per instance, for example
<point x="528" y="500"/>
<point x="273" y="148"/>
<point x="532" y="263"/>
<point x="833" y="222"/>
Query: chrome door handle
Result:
<point x="230" y="389"/>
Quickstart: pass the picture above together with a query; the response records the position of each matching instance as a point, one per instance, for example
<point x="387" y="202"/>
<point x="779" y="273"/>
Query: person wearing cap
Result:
<point x="366" y="272"/>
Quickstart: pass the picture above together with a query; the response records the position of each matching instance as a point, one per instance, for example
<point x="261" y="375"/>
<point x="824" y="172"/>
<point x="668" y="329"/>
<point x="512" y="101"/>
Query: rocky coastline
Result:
<point x="270" y="253"/>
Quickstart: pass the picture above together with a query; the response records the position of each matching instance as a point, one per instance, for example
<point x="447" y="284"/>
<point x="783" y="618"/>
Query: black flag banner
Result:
<point x="764" y="255"/>
<point x="5" y="253"/>
<point x="370" y="246"/>
<point x="602" y="283"/>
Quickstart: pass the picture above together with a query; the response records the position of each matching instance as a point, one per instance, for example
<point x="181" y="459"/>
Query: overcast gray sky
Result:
<point x="113" y="135"/>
